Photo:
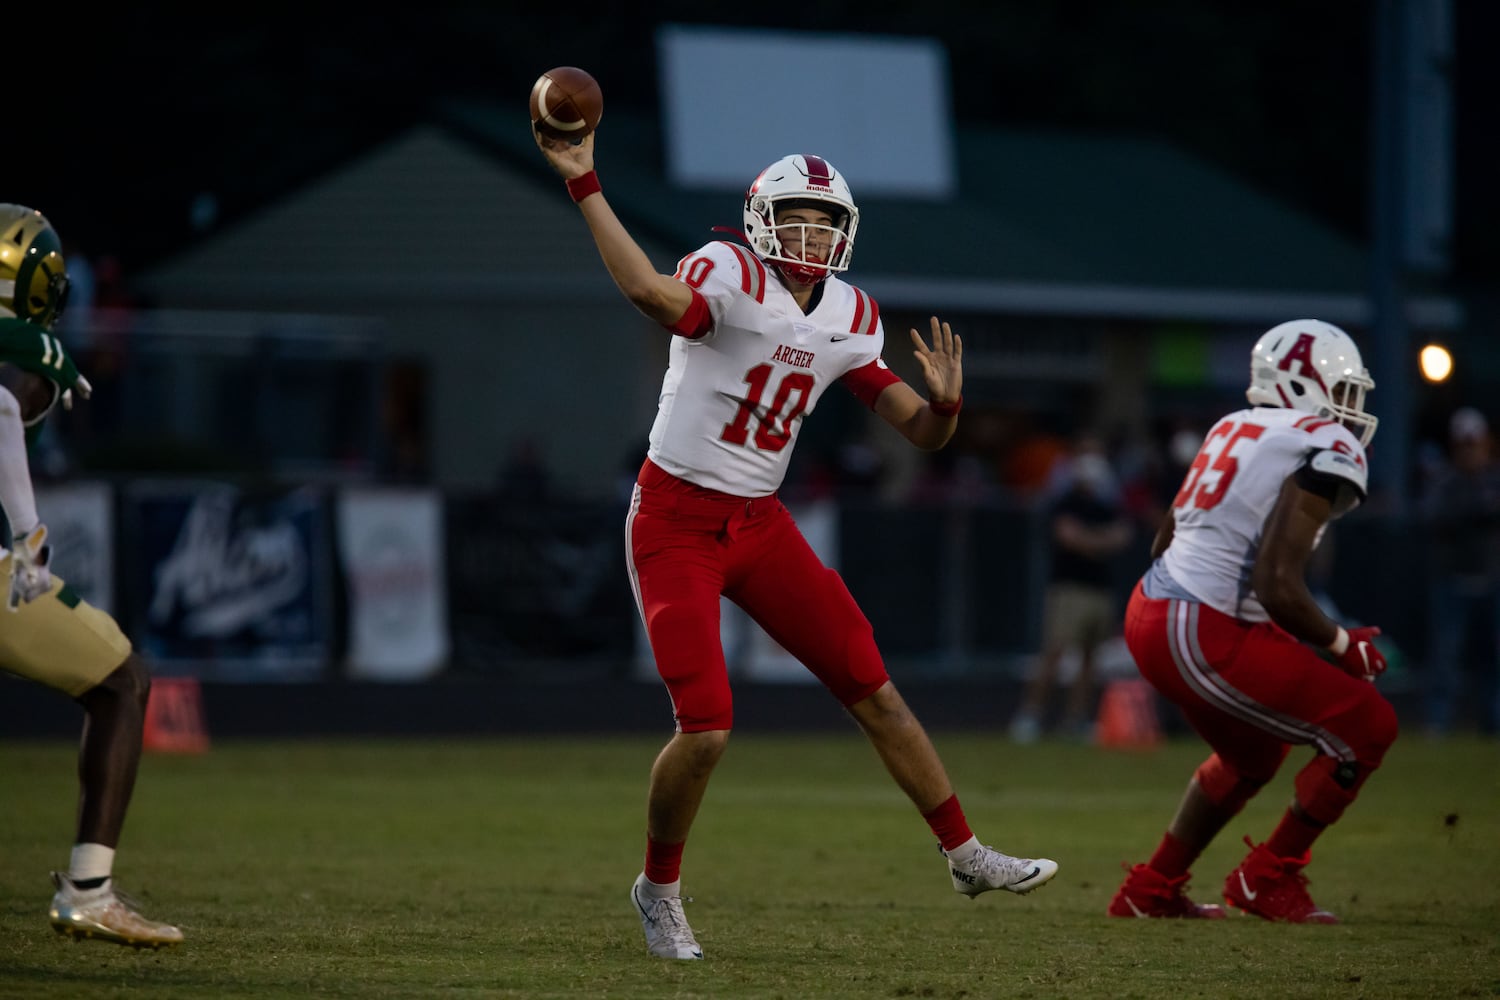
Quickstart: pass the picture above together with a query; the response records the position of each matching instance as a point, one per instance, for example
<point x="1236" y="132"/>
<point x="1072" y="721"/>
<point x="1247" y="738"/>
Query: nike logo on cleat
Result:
<point x="1245" y="888"/>
<point x="1133" y="908"/>
<point x="964" y="877"/>
<point x="1034" y="873"/>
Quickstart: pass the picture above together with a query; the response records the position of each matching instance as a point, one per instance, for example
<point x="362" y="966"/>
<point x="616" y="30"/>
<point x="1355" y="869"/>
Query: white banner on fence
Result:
<point x="80" y="522"/>
<point x="391" y="547"/>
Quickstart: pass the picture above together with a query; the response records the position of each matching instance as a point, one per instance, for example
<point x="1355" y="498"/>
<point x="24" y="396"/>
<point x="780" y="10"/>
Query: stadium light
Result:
<point x="1436" y="362"/>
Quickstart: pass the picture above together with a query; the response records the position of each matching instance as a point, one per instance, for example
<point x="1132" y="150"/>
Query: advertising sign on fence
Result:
<point x="391" y="550"/>
<point x="229" y="585"/>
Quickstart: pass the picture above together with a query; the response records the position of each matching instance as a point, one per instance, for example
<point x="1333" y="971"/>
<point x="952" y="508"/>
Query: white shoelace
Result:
<point x="667" y="918"/>
<point x="996" y="867"/>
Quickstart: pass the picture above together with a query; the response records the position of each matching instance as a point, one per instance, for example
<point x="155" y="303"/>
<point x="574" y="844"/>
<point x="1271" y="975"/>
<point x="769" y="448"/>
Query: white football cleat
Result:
<point x="989" y="869"/>
<point x="667" y="932"/>
<point x="101" y="913"/>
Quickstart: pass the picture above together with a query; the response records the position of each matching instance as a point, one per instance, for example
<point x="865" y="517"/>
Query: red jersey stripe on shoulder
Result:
<point x="744" y="268"/>
<point x="866" y="313"/>
<point x="1311" y="423"/>
<point x="752" y="272"/>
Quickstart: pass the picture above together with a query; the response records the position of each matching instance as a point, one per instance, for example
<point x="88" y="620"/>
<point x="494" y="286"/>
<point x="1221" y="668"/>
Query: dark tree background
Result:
<point x="129" y="116"/>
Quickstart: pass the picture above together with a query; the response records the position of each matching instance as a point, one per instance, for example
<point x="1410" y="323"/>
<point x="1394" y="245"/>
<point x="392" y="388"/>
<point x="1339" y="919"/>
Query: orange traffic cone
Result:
<point x="174" y="716"/>
<point x="1127" y="716"/>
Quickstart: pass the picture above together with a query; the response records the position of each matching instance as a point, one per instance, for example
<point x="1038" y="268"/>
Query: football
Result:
<point x="566" y="103"/>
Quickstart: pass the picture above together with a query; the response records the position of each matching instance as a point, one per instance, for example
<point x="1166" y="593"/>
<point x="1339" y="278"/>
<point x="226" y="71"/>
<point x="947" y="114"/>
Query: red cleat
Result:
<point x="1274" y="888"/>
<point x="1148" y="893"/>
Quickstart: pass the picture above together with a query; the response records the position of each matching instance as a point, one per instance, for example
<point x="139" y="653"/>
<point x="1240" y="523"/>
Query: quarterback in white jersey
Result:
<point x="757" y="371"/>
<point x="761" y="331"/>
<point x="1223" y="626"/>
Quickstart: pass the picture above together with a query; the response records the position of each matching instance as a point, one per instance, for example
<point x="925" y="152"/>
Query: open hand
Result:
<point x="942" y="364"/>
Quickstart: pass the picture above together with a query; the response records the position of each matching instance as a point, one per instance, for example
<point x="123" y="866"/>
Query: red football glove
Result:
<point x="1361" y="658"/>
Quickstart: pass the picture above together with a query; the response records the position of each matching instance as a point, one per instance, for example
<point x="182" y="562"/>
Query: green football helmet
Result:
<point x="33" y="276"/>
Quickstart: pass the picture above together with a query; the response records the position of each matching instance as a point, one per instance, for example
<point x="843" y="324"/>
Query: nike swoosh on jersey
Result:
<point x="838" y="337"/>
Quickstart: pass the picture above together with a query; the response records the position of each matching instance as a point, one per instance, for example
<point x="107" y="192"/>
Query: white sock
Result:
<point x="658" y="890"/>
<point x="963" y="852"/>
<point x="91" y="861"/>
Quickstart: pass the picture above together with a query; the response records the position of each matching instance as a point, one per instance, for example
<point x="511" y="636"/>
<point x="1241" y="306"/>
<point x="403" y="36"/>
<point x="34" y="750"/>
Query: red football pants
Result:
<point x="1251" y="690"/>
<point x="686" y="546"/>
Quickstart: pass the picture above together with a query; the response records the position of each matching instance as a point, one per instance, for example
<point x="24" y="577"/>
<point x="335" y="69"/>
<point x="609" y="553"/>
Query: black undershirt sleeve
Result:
<point x="1342" y="494"/>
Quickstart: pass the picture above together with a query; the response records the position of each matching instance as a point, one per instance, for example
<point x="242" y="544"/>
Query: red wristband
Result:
<point x="581" y="187"/>
<point x="946" y="409"/>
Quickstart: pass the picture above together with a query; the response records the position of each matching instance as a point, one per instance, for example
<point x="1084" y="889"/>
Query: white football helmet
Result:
<point x="801" y="179"/>
<point x="1312" y="366"/>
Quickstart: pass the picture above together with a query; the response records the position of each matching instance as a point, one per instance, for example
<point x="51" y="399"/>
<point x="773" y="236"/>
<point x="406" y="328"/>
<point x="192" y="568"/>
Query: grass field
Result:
<point x="502" y="869"/>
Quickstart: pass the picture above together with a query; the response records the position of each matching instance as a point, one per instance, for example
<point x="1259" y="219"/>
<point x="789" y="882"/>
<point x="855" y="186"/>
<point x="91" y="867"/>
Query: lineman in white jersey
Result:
<point x="1218" y="530"/>
<point x="761" y="331"/>
<point x="1223" y="625"/>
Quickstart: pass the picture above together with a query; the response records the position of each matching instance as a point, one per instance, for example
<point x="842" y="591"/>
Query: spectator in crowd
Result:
<point x="760" y="331"/>
<point x="47" y="634"/>
<point x="1461" y="510"/>
<point x="1089" y="527"/>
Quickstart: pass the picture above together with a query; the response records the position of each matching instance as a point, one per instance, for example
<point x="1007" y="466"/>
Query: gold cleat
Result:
<point x="103" y="915"/>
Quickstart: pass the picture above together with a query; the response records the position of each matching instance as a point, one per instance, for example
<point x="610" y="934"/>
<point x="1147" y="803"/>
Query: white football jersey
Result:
<point x="1229" y="490"/>
<point x="733" y="400"/>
